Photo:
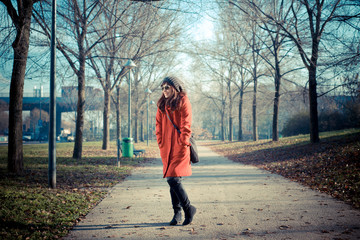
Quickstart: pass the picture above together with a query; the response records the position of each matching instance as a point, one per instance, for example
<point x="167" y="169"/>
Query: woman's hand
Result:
<point x="184" y="145"/>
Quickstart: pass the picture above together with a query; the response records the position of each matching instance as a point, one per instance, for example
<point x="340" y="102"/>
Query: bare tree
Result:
<point x="245" y="41"/>
<point x="145" y="30"/>
<point x="79" y="26"/>
<point x="218" y="99"/>
<point x="242" y="81"/>
<point x="239" y="56"/>
<point x="213" y="88"/>
<point x="105" y="59"/>
<point x="256" y="72"/>
<point x="21" y="21"/>
<point x="224" y="99"/>
<point x="308" y="20"/>
<point x="274" y="43"/>
<point x="219" y="58"/>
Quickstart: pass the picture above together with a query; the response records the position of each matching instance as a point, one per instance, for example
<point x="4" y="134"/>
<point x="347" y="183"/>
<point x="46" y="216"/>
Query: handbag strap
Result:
<point x="177" y="129"/>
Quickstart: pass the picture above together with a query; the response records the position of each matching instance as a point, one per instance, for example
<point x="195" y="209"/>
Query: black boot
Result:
<point x="177" y="208"/>
<point x="189" y="214"/>
<point x="176" y="219"/>
<point x="177" y="188"/>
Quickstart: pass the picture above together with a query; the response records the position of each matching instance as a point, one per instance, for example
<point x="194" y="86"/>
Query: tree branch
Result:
<point x="12" y="13"/>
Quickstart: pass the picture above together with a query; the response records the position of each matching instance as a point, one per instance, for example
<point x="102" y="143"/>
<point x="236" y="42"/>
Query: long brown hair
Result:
<point x="172" y="101"/>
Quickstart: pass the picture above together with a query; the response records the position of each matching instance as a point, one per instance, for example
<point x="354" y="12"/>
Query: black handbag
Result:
<point x="194" y="157"/>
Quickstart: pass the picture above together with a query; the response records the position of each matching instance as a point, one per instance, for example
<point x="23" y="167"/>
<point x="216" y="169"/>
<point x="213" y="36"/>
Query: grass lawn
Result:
<point x="30" y="210"/>
<point x="331" y="166"/>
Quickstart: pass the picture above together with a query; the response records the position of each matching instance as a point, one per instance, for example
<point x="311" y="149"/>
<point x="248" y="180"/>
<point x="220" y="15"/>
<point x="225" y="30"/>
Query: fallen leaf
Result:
<point x="284" y="227"/>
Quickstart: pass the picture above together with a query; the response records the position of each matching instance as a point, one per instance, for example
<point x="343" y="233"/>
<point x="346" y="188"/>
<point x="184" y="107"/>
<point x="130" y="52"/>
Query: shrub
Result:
<point x="352" y="110"/>
<point x="297" y="124"/>
<point x="328" y="121"/>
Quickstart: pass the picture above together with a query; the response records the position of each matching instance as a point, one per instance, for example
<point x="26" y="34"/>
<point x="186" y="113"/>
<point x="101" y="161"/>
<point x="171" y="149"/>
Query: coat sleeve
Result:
<point x="158" y="127"/>
<point x="185" y="123"/>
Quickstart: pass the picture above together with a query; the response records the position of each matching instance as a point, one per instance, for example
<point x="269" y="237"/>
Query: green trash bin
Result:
<point x="127" y="147"/>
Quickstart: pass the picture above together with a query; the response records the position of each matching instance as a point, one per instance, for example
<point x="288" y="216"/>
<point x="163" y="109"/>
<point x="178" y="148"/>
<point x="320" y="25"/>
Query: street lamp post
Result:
<point x="52" y="104"/>
<point x="148" y="92"/>
<point x="129" y="65"/>
<point x="40" y="123"/>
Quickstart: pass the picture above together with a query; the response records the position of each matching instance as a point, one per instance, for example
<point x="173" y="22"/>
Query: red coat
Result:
<point x="174" y="147"/>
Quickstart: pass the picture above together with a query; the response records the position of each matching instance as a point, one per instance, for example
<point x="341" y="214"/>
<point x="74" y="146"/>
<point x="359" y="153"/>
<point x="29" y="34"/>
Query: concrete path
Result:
<point x="234" y="201"/>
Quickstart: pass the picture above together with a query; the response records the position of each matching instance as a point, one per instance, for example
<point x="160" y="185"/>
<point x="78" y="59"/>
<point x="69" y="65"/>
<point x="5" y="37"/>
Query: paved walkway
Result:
<point x="234" y="201"/>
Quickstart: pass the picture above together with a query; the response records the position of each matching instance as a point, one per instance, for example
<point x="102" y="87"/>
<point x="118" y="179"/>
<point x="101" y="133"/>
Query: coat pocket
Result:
<point x="182" y="151"/>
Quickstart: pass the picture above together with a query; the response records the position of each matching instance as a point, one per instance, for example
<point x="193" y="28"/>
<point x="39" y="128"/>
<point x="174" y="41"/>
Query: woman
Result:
<point x="174" y="108"/>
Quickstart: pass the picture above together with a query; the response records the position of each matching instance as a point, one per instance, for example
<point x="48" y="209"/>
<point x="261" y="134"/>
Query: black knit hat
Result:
<point x="175" y="82"/>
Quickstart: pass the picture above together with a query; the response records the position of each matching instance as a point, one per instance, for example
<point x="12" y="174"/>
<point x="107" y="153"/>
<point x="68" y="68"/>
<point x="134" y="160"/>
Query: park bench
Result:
<point x="137" y="153"/>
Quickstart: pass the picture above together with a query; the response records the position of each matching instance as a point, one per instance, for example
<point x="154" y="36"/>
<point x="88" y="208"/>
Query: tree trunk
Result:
<point x="240" y="133"/>
<point x="21" y="49"/>
<point x="255" y="134"/>
<point x="106" y="129"/>
<point x="213" y="132"/>
<point x="255" y="78"/>
<point x="136" y="135"/>
<point x="230" y="129"/>
<point x="142" y="128"/>
<point x="254" y="123"/>
<point x="77" y="154"/>
<point x="230" y="119"/>
<point x="275" y="134"/>
<point x="314" y="120"/>
<point x="230" y="111"/>
<point x="222" y="127"/>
